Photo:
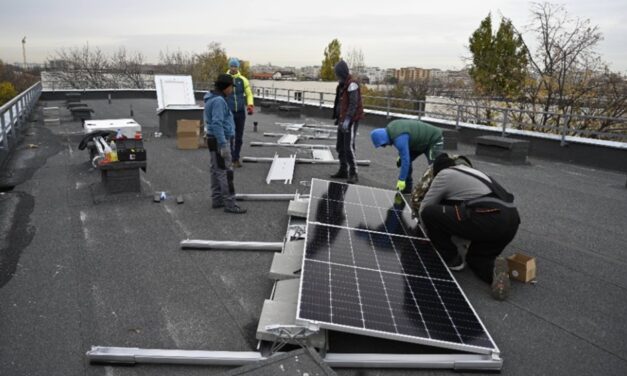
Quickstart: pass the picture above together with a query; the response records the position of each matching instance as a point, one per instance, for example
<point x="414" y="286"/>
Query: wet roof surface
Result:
<point x="108" y="270"/>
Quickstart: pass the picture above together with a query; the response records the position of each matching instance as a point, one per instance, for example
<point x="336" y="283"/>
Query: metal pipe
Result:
<point x="365" y="162"/>
<point x="130" y="355"/>
<point x="268" y="196"/>
<point x="231" y="245"/>
<point x="304" y="146"/>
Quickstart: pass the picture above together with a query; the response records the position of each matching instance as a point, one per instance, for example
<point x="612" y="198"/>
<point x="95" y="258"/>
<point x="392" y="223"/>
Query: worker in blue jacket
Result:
<point x="411" y="138"/>
<point x="220" y="129"/>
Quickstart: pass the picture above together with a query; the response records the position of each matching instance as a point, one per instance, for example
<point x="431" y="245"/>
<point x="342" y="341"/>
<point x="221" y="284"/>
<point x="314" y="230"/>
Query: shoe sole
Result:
<point x="458" y="268"/>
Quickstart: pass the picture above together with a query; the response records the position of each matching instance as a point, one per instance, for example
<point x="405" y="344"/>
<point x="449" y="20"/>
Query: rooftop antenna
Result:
<point x="24" y="51"/>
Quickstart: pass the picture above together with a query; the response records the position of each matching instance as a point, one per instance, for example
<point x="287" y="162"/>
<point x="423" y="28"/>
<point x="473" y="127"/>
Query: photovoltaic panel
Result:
<point x="369" y="270"/>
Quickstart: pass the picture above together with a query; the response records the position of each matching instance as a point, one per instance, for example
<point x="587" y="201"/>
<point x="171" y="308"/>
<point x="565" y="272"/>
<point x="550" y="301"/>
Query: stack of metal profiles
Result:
<point x="369" y="270"/>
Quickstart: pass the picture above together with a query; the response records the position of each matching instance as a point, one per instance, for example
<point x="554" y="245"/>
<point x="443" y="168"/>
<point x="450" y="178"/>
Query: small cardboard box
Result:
<point x="187" y="134"/>
<point x="522" y="267"/>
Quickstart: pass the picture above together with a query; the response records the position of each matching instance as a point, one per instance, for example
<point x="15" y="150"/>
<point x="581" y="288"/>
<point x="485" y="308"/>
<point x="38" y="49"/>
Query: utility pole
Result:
<point x="24" y="51"/>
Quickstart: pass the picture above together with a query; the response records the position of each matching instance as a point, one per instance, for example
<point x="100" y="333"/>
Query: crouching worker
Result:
<point x="220" y="128"/>
<point x="411" y="138"/>
<point x="465" y="202"/>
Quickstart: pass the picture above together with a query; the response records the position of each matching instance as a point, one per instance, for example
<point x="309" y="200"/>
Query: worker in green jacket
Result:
<point x="411" y="138"/>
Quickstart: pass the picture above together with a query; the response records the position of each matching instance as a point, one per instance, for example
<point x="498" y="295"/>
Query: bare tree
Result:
<point x="565" y="55"/>
<point x="356" y="62"/>
<point x="177" y="62"/>
<point x="128" y="67"/>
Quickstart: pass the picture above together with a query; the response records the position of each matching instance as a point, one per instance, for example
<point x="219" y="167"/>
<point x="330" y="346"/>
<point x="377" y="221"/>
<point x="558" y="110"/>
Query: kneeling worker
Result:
<point x="465" y="202"/>
<point x="411" y="138"/>
<point x="220" y="128"/>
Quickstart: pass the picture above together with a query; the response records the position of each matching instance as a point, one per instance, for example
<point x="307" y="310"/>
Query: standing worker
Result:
<point x="219" y="128"/>
<point x="240" y="102"/>
<point x="347" y="111"/>
<point x="411" y="138"/>
<point x="467" y="203"/>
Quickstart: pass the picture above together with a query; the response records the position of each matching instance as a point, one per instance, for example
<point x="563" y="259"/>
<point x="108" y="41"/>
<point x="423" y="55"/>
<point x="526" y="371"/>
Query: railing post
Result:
<point x="275" y="98"/>
<point x="504" y="127"/>
<point x="289" y="95"/>
<point x="12" y="121"/>
<point x="459" y="115"/>
<point x="389" y="104"/>
<point x="321" y="100"/>
<point x="565" y="118"/>
<point x="5" y="141"/>
<point x="302" y="97"/>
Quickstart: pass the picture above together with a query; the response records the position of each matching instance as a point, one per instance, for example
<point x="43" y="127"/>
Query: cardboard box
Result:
<point x="187" y="134"/>
<point x="522" y="267"/>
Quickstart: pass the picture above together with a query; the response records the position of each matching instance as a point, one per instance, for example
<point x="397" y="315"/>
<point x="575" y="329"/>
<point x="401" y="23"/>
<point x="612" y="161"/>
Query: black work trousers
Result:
<point x="489" y="228"/>
<point x="345" y="147"/>
<point x="239" y="118"/>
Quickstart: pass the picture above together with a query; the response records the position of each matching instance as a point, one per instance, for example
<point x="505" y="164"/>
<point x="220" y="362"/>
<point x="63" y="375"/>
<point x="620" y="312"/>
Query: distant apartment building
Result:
<point x="411" y="74"/>
<point x="375" y="74"/>
<point x="311" y="72"/>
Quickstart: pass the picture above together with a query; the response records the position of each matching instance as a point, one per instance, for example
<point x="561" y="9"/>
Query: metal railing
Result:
<point x="454" y="111"/>
<point x="13" y="115"/>
<point x="508" y="120"/>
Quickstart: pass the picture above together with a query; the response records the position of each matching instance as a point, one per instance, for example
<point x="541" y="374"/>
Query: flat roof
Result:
<point x="84" y="269"/>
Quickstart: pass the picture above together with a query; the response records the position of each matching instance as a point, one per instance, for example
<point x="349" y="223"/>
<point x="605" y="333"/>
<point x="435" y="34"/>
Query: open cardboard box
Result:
<point x="522" y="267"/>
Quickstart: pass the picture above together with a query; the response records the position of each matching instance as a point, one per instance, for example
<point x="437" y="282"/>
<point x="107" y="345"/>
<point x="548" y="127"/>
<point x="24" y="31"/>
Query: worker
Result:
<point x="467" y="203"/>
<point x="219" y="130"/>
<point x="240" y="102"/>
<point x="348" y="110"/>
<point x="411" y="138"/>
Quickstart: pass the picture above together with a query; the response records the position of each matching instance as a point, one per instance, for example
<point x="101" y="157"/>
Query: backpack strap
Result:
<point x="495" y="188"/>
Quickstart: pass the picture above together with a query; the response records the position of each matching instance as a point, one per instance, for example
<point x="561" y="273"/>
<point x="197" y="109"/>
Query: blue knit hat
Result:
<point x="234" y="62"/>
<point x="379" y="137"/>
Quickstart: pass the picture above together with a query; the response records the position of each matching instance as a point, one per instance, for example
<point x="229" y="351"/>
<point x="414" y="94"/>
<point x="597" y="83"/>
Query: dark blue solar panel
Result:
<point x="368" y="269"/>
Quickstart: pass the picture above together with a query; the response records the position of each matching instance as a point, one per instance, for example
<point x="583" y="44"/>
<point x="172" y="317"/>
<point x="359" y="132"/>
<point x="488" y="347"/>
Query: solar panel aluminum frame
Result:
<point x="495" y="352"/>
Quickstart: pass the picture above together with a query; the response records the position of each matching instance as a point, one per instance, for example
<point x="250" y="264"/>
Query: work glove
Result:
<point x="400" y="185"/>
<point x="250" y="108"/>
<point x="346" y="123"/>
<point x="398" y="162"/>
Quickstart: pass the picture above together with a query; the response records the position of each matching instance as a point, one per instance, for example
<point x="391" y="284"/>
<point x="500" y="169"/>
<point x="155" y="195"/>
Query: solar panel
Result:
<point x="369" y="270"/>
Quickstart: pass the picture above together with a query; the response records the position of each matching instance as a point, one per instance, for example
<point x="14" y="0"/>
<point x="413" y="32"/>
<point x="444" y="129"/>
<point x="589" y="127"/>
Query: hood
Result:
<point x="379" y="137"/>
<point x="341" y="70"/>
<point x="209" y="95"/>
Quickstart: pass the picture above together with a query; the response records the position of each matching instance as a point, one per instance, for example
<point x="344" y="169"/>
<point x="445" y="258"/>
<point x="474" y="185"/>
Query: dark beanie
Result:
<point x="341" y="70"/>
<point x="441" y="162"/>
<point x="223" y="81"/>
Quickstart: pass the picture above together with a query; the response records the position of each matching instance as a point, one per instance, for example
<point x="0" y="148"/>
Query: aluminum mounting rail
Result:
<point x="364" y="162"/>
<point x="320" y="136"/>
<point x="231" y="245"/>
<point x="133" y="355"/>
<point x="303" y="146"/>
<point x="268" y="196"/>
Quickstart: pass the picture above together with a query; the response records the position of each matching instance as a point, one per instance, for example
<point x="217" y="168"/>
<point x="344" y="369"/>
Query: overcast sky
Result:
<point x="391" y="34"/>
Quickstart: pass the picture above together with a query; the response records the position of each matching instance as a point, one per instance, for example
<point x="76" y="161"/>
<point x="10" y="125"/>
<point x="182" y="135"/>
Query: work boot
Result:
<point x="234" y="210"/>
<point x="217" y="205"/>
<point x="456" y="264"/>
<point x="237" y="164"/>
<point x="500" y="280"/>
<point x="352" y="178"/>
<point x="341" y="174"/>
